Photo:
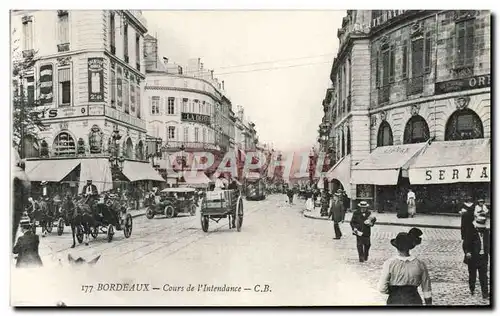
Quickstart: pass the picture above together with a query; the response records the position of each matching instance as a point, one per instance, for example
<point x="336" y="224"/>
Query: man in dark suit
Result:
<point x="361" y="224"/>
<point x="90" y="191"/>
<point x="337" y="213"/>
<point x="467" y="212"/>
<point x="477" y="247"/>
<point x="26" y="248"/>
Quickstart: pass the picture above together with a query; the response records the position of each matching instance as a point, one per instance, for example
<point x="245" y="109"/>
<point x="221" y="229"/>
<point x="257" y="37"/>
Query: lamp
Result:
<point x="115" y="158"/>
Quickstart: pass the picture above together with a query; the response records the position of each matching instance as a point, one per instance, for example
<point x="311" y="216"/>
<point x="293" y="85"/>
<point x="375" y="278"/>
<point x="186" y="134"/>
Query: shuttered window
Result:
<point x="464" y="49"/>
<point x="64" y="78"/>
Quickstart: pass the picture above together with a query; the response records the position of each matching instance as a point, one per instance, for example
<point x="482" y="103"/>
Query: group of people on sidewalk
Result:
<point x="404" y="273"/>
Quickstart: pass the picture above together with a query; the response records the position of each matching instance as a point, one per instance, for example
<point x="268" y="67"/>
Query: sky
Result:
<point x="284" y="102"/>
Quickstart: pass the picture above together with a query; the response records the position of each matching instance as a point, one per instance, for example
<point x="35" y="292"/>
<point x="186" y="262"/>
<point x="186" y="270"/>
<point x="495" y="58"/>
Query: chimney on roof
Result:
<point x="222" y="84"/>
<point x="212" y="74"/>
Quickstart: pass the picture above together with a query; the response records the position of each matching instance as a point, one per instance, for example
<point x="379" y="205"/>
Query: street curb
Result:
<point x="392" y="224"/>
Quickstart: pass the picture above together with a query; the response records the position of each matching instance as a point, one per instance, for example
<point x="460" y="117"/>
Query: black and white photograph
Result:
<point x="250" y="158"/>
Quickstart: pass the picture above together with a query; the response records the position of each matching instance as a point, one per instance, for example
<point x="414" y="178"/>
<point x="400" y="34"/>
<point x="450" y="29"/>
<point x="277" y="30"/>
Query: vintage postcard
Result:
<point x="250" y="158"/>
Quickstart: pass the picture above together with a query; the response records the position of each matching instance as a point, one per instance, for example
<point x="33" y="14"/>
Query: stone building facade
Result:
<point x="89" y="74"/>
<point x="429" y="84"/>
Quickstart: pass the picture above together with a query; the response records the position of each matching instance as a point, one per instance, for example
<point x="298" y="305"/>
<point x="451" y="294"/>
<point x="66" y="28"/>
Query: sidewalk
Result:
<point x="422" y="220"/>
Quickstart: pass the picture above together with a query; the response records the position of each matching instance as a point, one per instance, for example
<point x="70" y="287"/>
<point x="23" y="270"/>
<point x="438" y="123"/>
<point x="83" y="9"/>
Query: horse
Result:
<point x="82" y="218"/>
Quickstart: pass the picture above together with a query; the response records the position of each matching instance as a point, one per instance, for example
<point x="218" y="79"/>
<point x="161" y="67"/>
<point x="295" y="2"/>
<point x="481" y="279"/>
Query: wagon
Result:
<point x="112" y="214"/>
<point x="221" y="204"/>
<point x="173" y="201"/>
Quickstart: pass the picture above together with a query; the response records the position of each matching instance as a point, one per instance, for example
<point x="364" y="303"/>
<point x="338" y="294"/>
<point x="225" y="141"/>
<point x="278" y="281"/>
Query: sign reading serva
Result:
<point x="450" y="174"/>
<point x="196" y="118"/>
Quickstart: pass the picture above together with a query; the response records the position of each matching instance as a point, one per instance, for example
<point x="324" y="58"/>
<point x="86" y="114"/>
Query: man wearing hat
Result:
<point x="481" y="208"/>
<point x="26" y="247"/>
<point x="477" y="248"/>
<point x="337" y="213"/>
<point x="90" y="191"/>
<point x="361" y="224"/>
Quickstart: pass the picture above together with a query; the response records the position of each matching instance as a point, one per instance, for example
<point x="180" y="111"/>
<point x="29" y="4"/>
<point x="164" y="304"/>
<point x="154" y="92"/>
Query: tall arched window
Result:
<point x="31" y="149"/>
<point x="343" y="144"/>
<point x="384" y="137"/>
<point x="129" y="149"/>
<point x="64" y="145"/>
<point x="416" y="130"/>
<point x="464" y="124"/>
<point x="348" y="143"/>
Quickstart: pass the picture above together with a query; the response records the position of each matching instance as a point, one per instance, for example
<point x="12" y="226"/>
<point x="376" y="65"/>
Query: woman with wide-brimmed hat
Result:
<point x="403" y="274"/>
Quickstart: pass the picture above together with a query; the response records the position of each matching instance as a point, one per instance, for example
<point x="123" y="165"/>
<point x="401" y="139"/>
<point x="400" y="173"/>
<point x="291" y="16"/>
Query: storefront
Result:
<point x="445" y="172"/>
<point x="382" y="178"/>
<point x="339" y="176"/>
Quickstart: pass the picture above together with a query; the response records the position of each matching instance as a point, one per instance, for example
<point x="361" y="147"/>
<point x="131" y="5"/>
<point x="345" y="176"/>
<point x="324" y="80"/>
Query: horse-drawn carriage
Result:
<point x="172" y="201"/>
<point x="220" y="204"/>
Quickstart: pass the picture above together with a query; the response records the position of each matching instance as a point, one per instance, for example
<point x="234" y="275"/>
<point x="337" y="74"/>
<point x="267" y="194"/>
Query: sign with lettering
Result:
<point x="70" y="111"/>
<point x="96" y="110"/>
<point x="450" y="174"/>
<point x="96" y="79"/>
<point x="386" y="16"/>
<point x="476" y="82"/>
<point x="196" y="118"/>
<point x="46" y="84"/>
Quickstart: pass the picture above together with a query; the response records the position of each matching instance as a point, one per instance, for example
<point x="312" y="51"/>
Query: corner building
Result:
<point x="420" y="118"/>
<point x="89" y="73"/>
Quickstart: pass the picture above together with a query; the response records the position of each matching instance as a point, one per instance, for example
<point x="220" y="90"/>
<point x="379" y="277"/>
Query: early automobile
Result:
<point x="255" y="187"/>
<point x="171" y="202"/>
<point x="220" y="204"/>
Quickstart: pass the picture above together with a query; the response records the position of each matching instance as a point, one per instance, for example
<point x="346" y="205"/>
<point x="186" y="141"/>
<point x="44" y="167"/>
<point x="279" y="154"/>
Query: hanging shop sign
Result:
<point x="195" y="118"/>
<point x="96" y="79"/>
<point x="476" y="82"/>
<point x="46" y="84"/>
<point x="453" y="174"/>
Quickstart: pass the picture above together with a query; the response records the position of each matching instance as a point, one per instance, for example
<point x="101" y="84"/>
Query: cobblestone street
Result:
<point x="277" y="246"/>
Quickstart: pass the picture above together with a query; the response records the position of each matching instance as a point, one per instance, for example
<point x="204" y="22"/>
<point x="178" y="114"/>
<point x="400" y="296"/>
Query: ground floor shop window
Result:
<point x="464" y="124"/>
<point x="64" y="145"/>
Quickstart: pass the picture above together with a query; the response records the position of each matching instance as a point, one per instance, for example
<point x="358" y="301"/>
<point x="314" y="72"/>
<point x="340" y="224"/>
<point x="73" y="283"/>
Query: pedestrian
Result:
<point x="325" y="202"/>
<point x="412" y="203"/>
<point x="345" y="200"/>
<point x="361" y="223"/>
<point x="26" y="247"/>
<point x="467" y="213"/>
<point x="337" y="213"/>
<point x="290" y="192"/>
<point x="403" y="274"/>
<point x="477" y="247"/>
<point x="481" y="208"/>
<point x="309" y="200"/>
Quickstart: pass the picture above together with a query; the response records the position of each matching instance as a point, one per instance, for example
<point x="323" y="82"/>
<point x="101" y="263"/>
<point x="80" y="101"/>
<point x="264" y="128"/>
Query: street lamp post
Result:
<point x="115" y="158"/>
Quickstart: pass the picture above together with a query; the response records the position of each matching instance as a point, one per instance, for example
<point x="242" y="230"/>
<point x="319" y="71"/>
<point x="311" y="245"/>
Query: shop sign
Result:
<point x="70" y="111"/>
<point x="96" y="79"/>
<point x="195" y="118"/>
<point x="46" y="84"/>
<point x="436" y="175"/>
<point x="476" y="82"/>
<point x="96" y="110"/>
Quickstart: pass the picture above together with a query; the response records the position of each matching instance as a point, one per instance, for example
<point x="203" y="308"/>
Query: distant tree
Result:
<point x="26" y="109"/>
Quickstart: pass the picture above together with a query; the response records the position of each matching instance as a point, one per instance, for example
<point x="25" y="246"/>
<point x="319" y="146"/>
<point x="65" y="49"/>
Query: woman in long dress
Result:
<point x="411" y="201"/>
<point x="403" y="274"/>
<point x="309" y="201"/>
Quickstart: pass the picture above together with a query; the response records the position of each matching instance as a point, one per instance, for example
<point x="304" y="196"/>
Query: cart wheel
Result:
<point x="169" y="211"/>
<point x="204" y="223"/>
<point x="193" y="210"/>
<point x="60" y="227"/>
<point x="239" y="214"/>
<point x="111" y="232"/>
<point x="94" y="231"/>
<point x="127" y="229"/>
<point x="149" y="213"/>
<point x="79" y="233"/>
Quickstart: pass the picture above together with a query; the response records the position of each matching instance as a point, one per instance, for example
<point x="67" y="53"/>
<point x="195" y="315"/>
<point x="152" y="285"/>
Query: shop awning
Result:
<point x="99" y="171"/>
<point x="383" y="165"/>
<point x="53" y="170"/>
<point x="452" y="162"/>
<point x="342" y="172"/>
<point x="137" y="171"/>
<point x="197" y="178"/>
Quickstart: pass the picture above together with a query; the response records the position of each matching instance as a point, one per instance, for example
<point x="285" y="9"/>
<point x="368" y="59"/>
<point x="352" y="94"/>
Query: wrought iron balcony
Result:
<point x="63" y="47"/>
<point x="415" y="86"/>
<point x="384" y="94"/>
